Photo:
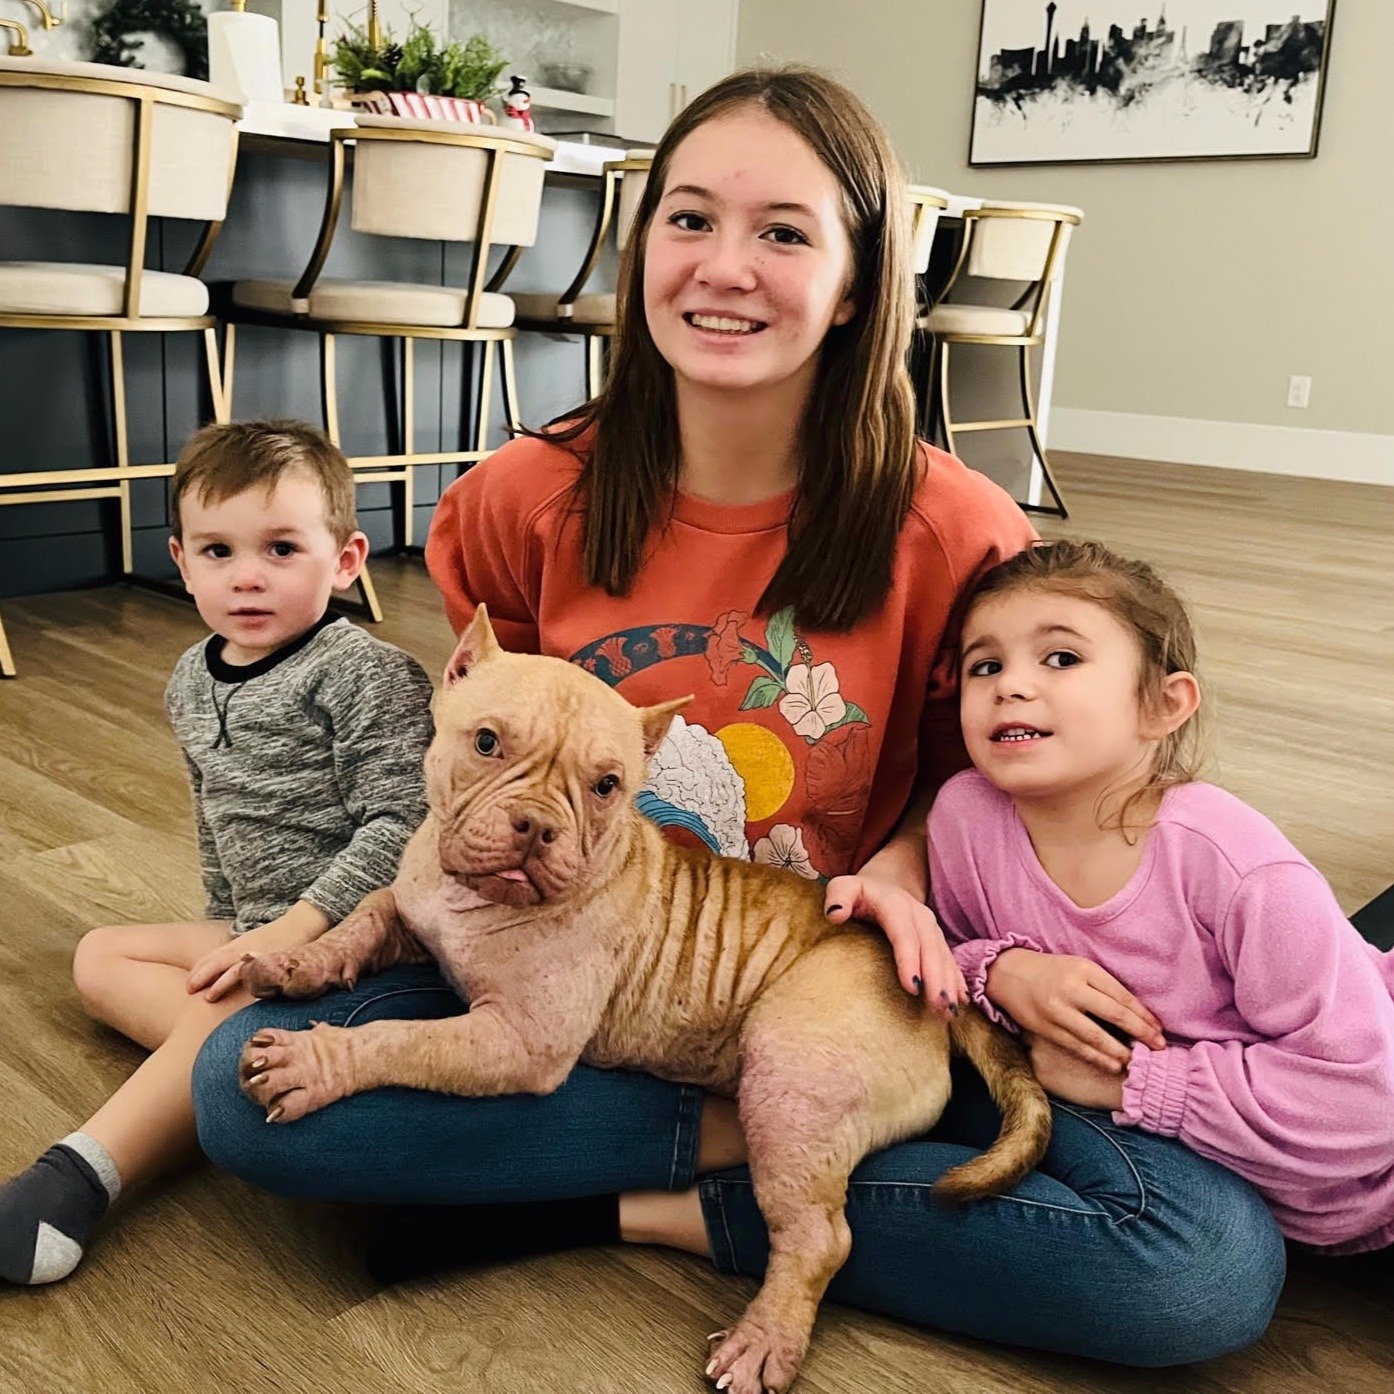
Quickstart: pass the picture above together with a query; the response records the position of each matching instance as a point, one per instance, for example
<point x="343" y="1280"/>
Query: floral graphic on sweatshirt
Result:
<point x="723" y="787"/>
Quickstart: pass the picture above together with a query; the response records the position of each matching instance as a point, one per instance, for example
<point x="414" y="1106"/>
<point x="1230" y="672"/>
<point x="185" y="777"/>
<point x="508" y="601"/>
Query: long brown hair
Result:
<point x="859" y="462"/>
<point x="1145" y="605"/>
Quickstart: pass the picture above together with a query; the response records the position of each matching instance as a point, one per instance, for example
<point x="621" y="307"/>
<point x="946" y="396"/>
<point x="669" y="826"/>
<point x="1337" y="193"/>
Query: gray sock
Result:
<point x="48" y="1212"/>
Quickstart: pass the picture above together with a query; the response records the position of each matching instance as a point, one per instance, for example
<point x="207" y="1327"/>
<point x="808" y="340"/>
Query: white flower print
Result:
<point x="812" y="702"/>
<point x="784" y="847"/>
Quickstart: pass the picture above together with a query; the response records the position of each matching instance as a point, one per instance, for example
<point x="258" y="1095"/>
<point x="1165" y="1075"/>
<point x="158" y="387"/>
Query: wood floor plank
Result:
<point x="127" y="877"/>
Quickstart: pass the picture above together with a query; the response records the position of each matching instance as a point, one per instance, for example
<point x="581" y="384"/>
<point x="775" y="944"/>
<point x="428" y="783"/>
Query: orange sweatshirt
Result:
<point x="802" y="748"/>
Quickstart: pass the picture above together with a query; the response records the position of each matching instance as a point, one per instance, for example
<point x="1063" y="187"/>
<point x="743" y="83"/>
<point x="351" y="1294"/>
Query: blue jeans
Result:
<point x="1123" y="1246"/>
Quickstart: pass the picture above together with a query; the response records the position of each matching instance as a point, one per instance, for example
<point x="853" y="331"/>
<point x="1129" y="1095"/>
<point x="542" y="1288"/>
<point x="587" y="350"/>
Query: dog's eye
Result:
<point x="607" y="785"/>
<point x="486" y="742"/>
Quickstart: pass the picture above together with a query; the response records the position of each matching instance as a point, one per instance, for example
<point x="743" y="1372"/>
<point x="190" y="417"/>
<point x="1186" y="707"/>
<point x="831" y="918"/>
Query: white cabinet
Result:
<point x="669" y="51"/>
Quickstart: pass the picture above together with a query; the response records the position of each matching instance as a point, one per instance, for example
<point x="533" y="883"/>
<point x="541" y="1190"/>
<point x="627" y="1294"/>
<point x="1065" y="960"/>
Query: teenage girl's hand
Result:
<point x="1053" y="996"/>
<point x="924" y="962"/>
<point x="1066" y="1076"/>
<point x="217" y="973"/>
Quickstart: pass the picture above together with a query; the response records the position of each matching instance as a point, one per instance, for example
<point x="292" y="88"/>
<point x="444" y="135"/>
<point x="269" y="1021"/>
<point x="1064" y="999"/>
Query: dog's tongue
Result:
<point x="510" y="875"/>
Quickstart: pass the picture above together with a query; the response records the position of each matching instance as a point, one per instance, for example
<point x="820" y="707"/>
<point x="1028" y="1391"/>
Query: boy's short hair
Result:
<point x="222" y="461"/>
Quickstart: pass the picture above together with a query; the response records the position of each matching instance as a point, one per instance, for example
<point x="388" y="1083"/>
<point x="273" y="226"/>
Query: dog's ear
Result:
<point x="477" y="645"/>
<point x="656" y="720"/>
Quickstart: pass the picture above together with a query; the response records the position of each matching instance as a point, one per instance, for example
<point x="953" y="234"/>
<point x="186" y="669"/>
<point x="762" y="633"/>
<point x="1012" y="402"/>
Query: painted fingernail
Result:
<point x="953" y="1008"/>
<point x="917" y="982"/>
<point x="261" y="1039"/>
<point x="274" y="1114"/>
<point x="255" y="1080"/>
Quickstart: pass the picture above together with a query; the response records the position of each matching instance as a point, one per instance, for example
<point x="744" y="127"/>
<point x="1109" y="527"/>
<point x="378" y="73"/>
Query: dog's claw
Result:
<point x="725" y="1380"/>
<point x="275" y="1114"/>
<point x="717" y="1336"/>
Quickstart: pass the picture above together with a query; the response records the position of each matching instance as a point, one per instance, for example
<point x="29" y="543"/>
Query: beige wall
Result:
<point x="1194" y="290"/>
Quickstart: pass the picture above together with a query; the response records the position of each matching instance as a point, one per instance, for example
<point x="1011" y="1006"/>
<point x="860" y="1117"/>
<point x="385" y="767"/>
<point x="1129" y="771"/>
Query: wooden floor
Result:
<point x="206" y="1285"/>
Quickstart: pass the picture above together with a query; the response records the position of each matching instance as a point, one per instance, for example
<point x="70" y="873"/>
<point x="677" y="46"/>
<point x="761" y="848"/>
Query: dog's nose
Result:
<point x="529" y="829"/>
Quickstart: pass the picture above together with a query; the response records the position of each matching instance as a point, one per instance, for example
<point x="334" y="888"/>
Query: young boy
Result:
<point x="303" y="738"/>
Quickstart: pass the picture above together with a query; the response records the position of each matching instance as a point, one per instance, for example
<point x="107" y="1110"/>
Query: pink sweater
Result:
<point x="1279" y="1018"/>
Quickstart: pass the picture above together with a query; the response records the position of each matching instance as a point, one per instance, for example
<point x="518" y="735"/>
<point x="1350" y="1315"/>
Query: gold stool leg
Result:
<point x="945" y="415"/>
<point x="368" y="595"/>
<point x="508" y="380"/>
<point x="123" y="454"/>
<point x="595" y="364"/>
<point x="7" y="662"/>
<point x="1037" y="445"/>
<point x="408" y="438"/>
<point x="216" y="380"/>
<point x="486" y="397"/>
<point x="329" y="395"/>
<point x="229" y="353"/>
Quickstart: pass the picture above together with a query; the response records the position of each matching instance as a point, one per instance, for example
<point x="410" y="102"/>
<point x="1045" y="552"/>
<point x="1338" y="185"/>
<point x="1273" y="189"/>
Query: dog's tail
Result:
<point x="1015" y="1090"/>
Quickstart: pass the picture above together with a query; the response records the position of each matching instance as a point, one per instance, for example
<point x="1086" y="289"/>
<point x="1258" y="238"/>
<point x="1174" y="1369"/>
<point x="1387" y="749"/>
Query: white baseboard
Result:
<point x="1357" y="457"/>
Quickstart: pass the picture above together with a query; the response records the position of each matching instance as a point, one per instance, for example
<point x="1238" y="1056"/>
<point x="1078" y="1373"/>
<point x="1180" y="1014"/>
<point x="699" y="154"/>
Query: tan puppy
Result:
<point x="576" y="931"/>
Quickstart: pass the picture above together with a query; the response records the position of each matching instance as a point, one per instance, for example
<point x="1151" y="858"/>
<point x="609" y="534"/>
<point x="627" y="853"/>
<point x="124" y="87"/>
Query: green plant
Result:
<point x="470" y="70"/>
<point x="419" y="64"/>
<point x="419" y="68"/>
<point x="362" y="67"/>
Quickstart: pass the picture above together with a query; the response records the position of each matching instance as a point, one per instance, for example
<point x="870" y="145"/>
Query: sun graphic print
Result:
<point x="726" y="787"/>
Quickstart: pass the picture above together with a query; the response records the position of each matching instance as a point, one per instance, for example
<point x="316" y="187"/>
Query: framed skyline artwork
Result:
<point x="1089" y="80"/>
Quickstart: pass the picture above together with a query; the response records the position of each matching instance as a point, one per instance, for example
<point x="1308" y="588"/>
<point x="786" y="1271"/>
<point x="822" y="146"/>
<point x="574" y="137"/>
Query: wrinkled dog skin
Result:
<point x="578" y="933"/>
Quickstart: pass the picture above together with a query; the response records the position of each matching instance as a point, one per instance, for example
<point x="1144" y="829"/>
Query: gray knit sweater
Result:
<point x="306" y="769"/>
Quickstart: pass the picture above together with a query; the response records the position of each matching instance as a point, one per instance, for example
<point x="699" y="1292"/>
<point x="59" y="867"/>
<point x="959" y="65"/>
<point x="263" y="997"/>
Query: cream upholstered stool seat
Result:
<point x="1023" y="244"/>
<point x="442" y="181"/>
<point x="89" y="138"/>
<point x="598" y="307"/>
<point x="76" y="288"/>
<point x="992" y="320"/>
<point x="381" y="302"/>
<point x="592" y="315"/>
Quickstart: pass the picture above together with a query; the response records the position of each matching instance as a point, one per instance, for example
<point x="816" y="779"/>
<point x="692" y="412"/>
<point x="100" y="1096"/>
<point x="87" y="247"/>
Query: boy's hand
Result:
<point x="219" y="972"/>
<point x="1053" y="996"/>
<point x="924" y="962"/>
<point x="1066" y="1076"/>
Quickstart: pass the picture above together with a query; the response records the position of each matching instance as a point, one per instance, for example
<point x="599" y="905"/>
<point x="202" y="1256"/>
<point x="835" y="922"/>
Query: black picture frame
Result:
<point x="1079" y="82"/>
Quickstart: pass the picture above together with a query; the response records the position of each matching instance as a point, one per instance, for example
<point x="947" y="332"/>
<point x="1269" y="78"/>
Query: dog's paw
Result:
<point x="290" y="973"/>
<point x="293" y="1073"/>
<point x="756" y="1358"/>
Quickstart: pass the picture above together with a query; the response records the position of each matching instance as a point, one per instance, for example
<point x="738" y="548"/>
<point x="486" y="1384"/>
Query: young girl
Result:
<point x="745" y="514"/>
<point x="1088" y="880"/>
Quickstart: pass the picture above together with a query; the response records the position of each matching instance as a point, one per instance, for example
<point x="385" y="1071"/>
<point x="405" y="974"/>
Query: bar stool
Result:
<point x="927" y="205"/>
<point x="74" y="138"/>
<point x="592" y="316"/>
<point x="442" y="181"/>
<point x="1018" y="243"/>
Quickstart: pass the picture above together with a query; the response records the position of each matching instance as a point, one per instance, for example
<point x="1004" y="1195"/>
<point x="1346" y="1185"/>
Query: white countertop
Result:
<point x="286" y="121"/>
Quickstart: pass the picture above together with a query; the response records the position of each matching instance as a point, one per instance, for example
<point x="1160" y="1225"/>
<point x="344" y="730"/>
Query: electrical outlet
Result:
<point x="1299" y="392"/>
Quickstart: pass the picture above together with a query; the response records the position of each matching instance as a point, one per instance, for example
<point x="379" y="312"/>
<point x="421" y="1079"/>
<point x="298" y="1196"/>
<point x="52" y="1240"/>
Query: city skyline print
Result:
<point x="1071" y="81"/>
